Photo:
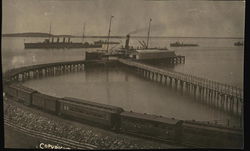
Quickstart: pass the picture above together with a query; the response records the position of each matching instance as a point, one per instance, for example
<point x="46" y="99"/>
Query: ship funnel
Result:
<point x="52" y="39"/>
<point x="63" y="39"/>
<point x="69" y="40"/>
<point x="127" y="42"/>
<point x="57" y="39"/>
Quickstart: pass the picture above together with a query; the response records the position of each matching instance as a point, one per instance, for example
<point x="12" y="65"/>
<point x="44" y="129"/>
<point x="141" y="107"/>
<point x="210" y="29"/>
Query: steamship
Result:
<point x="144" y="53"/>
<point x="238" y="43"/>
<point x="105" y="42"/>
<point x="178" y="44"/>
<point x="47" y="44"/>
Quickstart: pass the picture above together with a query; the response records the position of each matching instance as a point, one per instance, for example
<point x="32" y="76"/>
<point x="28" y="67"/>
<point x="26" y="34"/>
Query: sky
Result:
<point x="189" y="18"/>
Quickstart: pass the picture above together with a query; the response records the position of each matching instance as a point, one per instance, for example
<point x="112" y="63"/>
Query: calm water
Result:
<point x="215" y="59"/>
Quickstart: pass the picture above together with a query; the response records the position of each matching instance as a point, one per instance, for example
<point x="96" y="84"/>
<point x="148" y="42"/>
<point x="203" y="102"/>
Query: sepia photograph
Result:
<point x="123" y="74"/>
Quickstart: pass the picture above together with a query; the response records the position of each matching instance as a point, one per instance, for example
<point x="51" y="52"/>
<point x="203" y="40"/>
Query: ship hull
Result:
<point x="59" y="45"/>
<point x="183" y="45"/>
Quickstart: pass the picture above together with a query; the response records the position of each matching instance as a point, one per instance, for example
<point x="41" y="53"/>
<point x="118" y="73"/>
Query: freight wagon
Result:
<point x="46" y="102"/>
<point x="24" y="94"/>
<point x="151" y="125"/>
<point x="11" y="91"/>
<point x="105" y="115"/>
<point x="211" y="136"/>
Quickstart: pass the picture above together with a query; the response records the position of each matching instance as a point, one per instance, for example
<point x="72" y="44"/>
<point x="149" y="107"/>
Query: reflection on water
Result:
<point x="120" y="87"/>
<point x="17" y="60"/>
<point x="215" y="59"/>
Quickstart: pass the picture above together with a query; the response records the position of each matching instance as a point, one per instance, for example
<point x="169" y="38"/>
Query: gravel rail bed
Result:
<point x="85" y="134"/>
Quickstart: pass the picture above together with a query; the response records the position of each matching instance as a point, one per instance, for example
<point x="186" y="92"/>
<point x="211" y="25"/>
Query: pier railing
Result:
<point x="213" y="90"/>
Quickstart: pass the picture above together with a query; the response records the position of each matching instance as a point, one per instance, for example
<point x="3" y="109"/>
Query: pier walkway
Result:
<point x="223" y="96"/>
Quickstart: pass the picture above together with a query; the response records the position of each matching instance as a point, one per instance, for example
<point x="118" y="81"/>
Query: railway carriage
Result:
<point x="12" y="91"/>
<point x="25" y="95"/>
<point x="6" y="83"/>
<point x="104" y="115"/>
<point x="211" y="136"/>
<point x="45" y="102"/>
<point x="151" y="126"/>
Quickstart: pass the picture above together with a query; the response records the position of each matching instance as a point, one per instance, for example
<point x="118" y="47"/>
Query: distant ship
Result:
<point x="47" y="44"/>
<point x="51" y="44"/>
<point x="105" y="42"/>
<point x="178" y="44"/>
<point x="238" y="43"/>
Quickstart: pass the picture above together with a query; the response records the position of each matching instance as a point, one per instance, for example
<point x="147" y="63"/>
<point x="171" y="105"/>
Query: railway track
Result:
<point x="66" y="142"/>
<point x="167" y="141"/>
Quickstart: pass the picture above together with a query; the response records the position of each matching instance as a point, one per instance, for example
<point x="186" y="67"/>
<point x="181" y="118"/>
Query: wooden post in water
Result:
<point x="166" y="80"/>
<point x="200" y="92"/>
<point x="222" y="101"/>
<point x="188" y="88"/>
<point x="195" y="89"/>
<point x="226" y="102"/>
<point x="161" y="78"/>
<point x="181" y="86"/>
<point x="170" y="82"/>
<point x="176" y="84"/>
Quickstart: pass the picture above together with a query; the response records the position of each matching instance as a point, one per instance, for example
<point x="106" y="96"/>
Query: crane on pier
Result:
<point x="83" y="34"/>
<point x="109" y="33"/>
<point x="148" y="32"/>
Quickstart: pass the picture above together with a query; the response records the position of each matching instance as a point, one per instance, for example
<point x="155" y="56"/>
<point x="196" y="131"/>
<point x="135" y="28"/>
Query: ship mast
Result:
<point x="109" y="33"/>
<point x="83" y="34"/>
<point x="49" y="30"/>
<point x="148" y="33"/>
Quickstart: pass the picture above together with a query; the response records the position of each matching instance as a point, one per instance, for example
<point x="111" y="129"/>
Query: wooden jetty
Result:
<point x="223" y="96"/>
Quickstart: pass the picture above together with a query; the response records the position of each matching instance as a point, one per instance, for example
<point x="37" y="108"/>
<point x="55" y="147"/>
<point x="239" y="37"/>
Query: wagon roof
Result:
<point x="46" y="96"/>
<point x="150" y="117"/>
<point x="19" y="86"/>
<point x="26" y="88"/>
<point x="93" y="104"/>
<point x="14" y="86"/>
<point x="77" y="104"/>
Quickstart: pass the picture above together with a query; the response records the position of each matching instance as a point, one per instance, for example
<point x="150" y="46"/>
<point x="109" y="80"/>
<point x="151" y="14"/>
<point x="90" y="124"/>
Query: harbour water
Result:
<point x="214" y="59"/>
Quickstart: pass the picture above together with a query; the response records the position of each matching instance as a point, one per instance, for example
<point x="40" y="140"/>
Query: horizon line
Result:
<point x="122" y="36"/>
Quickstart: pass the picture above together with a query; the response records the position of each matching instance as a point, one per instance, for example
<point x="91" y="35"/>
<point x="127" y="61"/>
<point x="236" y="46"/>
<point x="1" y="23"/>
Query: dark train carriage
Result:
<point x="38" y="100"/>
<point x="6" y="83"/>
<point x="103" y="115"/>
<point x="210" y="136"/>
<point x="12" y="91"/>
<point x="94" y="104"/>
<point x="151" y="125"/>
<point x="25" y="94"/>
<point x="45" y="102"/>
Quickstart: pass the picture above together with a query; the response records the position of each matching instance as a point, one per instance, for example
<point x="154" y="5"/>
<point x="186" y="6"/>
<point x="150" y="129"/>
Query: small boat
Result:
<point x="178" y="44"/>
<point x="238" y="43"/>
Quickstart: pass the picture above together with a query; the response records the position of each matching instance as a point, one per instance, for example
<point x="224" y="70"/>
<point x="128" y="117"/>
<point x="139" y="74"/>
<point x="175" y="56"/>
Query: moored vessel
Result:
<point x="178" y="44"/>
<point x="105" y="42"/>
<point x="51" y="44"/>
<point x="238" y="43"/>
<point x="47" y="44"/>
